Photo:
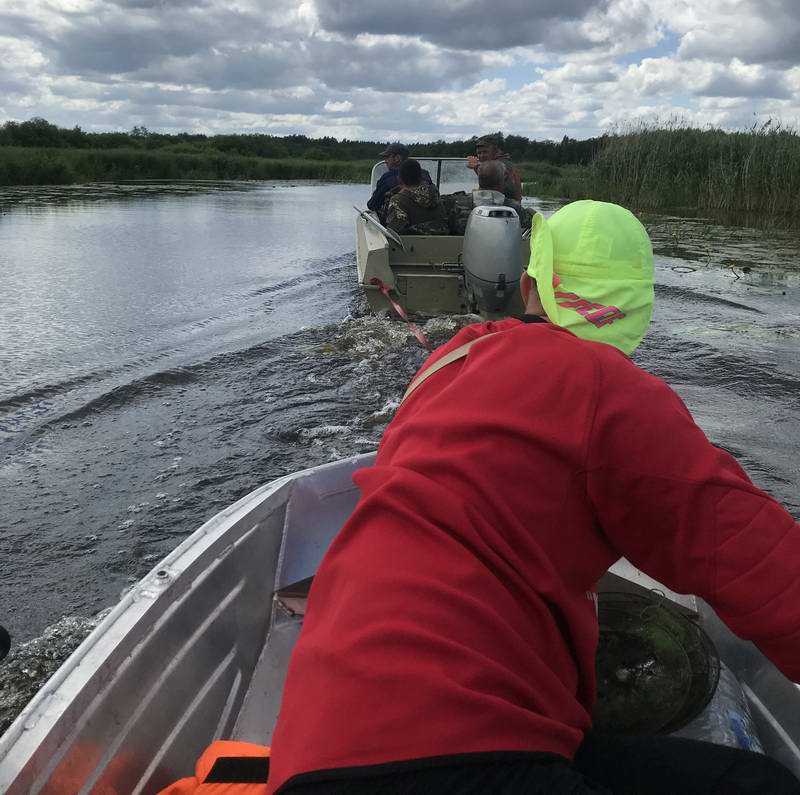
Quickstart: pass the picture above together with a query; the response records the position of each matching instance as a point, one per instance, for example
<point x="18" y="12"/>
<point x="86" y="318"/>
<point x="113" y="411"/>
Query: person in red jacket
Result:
<point x="449" y="640"/>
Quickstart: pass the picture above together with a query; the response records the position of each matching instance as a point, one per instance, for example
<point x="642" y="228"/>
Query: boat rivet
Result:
<point x="162" y="574"/>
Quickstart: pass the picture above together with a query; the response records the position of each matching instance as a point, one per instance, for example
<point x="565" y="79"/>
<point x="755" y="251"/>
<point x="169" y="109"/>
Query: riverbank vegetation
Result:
<point x="36" y="152"/>
<point x="673" y="167"/>
<point x="548" y="180"/>
<point x="46" y="166"/>
<point x="752" y="175"/>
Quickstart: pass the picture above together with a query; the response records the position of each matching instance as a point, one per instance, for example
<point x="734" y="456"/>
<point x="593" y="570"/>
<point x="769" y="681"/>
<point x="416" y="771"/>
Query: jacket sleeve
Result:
<point x="685" y="512"/>
<point x="396" y="216"/>
<point x="376" y="200"/>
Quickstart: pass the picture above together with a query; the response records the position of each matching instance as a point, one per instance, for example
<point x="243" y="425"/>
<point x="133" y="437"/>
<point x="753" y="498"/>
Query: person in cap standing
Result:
<point x="488" y="148"/>
<point x="449" y="640"/>
<point x="393" y="156"/>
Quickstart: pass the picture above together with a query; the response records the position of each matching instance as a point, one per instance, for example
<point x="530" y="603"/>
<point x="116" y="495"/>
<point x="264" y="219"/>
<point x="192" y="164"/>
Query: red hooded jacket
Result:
<point x="453" y="612"/>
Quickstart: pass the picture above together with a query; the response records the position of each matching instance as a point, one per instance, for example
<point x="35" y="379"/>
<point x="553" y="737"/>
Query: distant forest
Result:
<point x="40" y="133"/>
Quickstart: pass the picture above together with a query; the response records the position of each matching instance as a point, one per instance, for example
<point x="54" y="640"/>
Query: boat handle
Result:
<point x="390" y="234"/>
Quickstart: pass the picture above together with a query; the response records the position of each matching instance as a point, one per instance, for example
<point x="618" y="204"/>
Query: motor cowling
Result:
<point x="492" y="257"/>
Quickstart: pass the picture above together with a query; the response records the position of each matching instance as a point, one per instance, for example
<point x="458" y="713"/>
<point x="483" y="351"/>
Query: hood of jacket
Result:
<point x="424" y="195"/>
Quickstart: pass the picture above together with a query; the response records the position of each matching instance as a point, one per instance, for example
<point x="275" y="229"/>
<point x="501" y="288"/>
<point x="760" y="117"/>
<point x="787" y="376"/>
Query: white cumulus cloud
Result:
<point x="338" y="107"/>
<point x="415" y="71"/>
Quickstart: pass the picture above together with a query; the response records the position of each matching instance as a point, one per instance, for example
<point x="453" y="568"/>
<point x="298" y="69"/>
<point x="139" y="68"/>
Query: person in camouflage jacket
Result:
<point x="416" y="208"/>
<point x="491" y="177"/>
<point x="490" y="191"/>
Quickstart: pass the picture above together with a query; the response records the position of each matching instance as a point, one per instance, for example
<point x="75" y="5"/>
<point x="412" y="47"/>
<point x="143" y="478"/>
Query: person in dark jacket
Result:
<point x="394" y="155"/>
<point x="416" y="208"/>
<point x="449" y="640"/>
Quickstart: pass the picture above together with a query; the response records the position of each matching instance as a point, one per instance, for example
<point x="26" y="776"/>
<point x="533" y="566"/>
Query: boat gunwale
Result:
<point x="41" y="721"/>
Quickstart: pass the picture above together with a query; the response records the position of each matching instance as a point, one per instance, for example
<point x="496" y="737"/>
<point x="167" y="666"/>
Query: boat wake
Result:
<point x="31" y="664"/>
<point x="31" y="412"/>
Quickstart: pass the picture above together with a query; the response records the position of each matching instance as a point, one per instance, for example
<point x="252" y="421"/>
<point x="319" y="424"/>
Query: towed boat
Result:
<point x="431" y="275"/>
<point x="198" y="651"/>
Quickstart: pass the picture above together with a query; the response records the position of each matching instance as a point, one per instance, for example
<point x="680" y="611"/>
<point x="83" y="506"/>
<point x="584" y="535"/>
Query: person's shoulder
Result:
<point x="606" y="355"/>
<point x="585" y="360"/>
<point x="618" y="371"/>
<point x="615" y="377"/>
<point x="475" y="331"/>
<point x="465" y="334"/>
<point x="397" y="197"/>
<point x="577" y="352"/>
<point x="388" y="178"/>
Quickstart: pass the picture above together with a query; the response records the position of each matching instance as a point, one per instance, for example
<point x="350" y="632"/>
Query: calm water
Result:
<point x="164" y="349"/>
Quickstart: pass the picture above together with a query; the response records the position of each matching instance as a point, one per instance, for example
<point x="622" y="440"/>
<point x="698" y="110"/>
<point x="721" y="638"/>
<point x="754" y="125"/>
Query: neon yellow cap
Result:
<point x="593" y="265"/>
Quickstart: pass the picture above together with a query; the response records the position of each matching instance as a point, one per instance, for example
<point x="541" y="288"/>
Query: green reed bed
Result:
<point x="548" y="180"/>
<point x="32" y="166"/>
<point x="753" y="173"/>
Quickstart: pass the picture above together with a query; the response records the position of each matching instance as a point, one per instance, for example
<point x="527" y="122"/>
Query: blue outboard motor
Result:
<point x="492" y="258"/>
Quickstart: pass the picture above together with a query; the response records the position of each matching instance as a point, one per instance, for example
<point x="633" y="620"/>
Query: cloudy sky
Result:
<point x="398" y="69"/>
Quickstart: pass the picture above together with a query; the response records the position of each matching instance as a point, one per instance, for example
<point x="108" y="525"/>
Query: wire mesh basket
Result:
<point x="656" y="669"/>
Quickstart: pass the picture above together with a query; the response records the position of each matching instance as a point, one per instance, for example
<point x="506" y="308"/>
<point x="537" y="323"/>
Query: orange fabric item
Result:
<point x="184" y="786"/>
<point x="221" y="751"/>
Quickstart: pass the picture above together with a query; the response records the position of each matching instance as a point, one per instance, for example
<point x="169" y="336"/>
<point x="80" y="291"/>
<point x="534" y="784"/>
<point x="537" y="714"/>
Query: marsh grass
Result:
<point x="32" y="166"/>
<point x="750" y="176"/>
<point x="547" y="180"/>
<point x="50" y="166"/>
<point x="753" y="173"/>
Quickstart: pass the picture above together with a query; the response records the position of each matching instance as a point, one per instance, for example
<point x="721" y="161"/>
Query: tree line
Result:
<point x="38" y="132"/>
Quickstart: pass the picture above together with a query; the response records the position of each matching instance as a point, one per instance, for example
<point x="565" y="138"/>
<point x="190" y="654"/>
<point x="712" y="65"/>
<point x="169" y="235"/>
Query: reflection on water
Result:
<point x="167" y="348"/>
<point x="51" y="196"/>
<point x="757" y="257"/>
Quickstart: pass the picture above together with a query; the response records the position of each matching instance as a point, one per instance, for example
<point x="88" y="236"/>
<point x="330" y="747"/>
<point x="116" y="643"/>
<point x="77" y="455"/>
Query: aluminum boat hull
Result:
<point x="198" y="651"/>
